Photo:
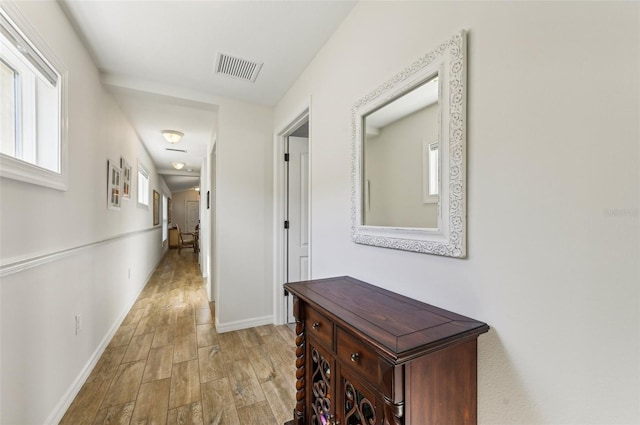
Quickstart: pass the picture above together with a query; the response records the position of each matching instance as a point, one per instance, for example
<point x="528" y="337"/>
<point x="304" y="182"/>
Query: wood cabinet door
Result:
<point x="357" y="405"/>
<point x="320" y="384"/>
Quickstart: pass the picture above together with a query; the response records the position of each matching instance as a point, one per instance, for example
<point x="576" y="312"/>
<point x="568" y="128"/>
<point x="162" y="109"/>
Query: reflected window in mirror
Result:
<point x="430" y="173"/>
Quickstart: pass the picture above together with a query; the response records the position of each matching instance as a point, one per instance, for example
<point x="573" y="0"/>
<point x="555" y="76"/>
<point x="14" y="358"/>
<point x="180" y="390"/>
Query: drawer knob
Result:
<point x="315" y="326"/>
<point x="355" y="357"/>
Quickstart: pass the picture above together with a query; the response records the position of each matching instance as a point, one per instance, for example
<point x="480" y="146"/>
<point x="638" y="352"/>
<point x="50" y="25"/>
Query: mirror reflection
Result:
<point x="401" y="164"/>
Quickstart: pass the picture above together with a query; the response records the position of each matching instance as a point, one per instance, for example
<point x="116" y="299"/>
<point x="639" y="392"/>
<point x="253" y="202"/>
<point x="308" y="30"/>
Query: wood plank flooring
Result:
<point x="166" y="364"/>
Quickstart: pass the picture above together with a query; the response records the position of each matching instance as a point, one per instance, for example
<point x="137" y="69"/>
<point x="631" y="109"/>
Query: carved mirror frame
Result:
<point x="449" y="62"/>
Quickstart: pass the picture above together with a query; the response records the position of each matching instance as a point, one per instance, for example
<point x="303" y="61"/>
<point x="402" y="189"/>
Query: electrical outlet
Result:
<point x="78" y="324"/>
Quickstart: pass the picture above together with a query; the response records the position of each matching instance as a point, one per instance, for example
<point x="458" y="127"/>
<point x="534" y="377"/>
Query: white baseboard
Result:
<point x="61" y="408"/>
<point x="243" y="324"/>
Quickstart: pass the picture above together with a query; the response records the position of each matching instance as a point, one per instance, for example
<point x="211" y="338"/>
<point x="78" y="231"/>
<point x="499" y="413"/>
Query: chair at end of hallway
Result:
<point x="187" y="240"/>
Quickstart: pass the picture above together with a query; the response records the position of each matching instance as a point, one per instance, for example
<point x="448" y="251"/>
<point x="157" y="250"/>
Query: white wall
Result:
<point x="179" y="207"/>
<point x="393" y="160"/>
<point x="65" y="253"/>
<point x="244" y="205"/>
<point x="553" y="189"/>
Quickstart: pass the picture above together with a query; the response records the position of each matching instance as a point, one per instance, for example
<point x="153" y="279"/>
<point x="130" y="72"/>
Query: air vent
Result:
<point x="239" y="68"/>
<point x="176" y="150"/>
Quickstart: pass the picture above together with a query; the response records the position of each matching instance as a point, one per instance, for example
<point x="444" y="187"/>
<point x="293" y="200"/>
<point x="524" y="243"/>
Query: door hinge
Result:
<point x="286" y="224"/>
<point x="286" y="293"/>
<point x="286" y="157"/>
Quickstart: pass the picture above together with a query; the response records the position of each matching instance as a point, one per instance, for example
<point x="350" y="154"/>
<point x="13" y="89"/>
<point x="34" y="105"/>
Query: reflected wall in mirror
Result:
<point x="400" y="160"/>
<point x="408" y="153"/>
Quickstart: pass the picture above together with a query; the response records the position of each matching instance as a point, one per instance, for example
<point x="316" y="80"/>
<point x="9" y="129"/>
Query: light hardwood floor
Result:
<point x="167" y="364"/>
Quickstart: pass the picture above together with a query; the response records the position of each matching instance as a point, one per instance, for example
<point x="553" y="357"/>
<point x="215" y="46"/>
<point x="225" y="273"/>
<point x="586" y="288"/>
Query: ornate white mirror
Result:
<point x="408" y="153"/>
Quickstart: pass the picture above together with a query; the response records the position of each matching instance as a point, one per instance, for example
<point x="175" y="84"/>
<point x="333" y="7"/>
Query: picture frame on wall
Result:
<point x="126" y="178"/>
<point x="156" y="208"/>
<point x="168" y="210"/>
<point x="114" y="195"/>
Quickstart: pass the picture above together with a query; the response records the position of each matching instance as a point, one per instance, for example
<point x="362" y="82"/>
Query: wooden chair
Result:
<point x="187" y="240"/>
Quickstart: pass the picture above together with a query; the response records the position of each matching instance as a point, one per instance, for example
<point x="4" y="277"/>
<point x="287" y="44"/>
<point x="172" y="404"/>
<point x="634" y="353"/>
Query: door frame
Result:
<point x="279" y="208"/>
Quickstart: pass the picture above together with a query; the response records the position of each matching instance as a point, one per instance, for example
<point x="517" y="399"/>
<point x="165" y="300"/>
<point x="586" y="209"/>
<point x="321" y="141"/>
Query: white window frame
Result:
<point x="430" y="172"/>
<point x="23" y="170"/>
<point x="143" y="178"/>
<point x="165" y="218"/>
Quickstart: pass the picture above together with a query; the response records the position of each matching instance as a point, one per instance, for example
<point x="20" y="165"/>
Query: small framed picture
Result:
<point x="114" y="194"/>
<point x="126" y="178"/>
<point x="156" y="208"/>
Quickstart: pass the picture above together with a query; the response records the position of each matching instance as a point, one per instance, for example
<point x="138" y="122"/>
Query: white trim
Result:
<point x="184" y="190"/>
<point x="428" y="171"/>
<point x="243" y="324"/>
<point x="16" y="169"/>
<point x="310" y="201"/>
<point x="205" y="219"/>
<point x="66" y="400"/>
<point x="210" y="223"/>
<point x="184" y="173"/>
<point x="278" y="234"/>
<point x="19" y="264"/>
<point x="144" y="170"/>
<point x="215" y="258"/>
<point x="286" y="129"/>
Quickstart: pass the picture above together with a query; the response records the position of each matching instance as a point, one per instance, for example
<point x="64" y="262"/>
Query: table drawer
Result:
<point x="319" y="327"/>
<point x="360" y="356"/>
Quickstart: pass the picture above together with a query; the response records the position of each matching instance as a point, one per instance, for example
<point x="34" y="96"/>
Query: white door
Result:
<point x="193" y="215"/>
<point x="298" y="217"/>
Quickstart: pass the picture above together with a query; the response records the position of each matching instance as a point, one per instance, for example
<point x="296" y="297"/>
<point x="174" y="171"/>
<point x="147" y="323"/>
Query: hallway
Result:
<point x="167" y="364"/>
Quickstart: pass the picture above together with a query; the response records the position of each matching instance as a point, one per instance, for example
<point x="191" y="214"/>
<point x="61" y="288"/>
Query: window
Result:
<point x="32" y="108"/>
<point x="434" y="187"/>
<point x="165" y="219"/>
<point x="143" y="186"/>
<point x="430" y="173"/>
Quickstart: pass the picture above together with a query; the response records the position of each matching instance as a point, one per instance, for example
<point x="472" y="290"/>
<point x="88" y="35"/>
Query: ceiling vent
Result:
<point x="176" y="150"/>
<point x="242" y="69"/>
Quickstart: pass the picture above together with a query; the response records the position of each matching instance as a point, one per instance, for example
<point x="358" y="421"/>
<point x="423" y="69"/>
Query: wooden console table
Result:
<point x="366" y="356"/>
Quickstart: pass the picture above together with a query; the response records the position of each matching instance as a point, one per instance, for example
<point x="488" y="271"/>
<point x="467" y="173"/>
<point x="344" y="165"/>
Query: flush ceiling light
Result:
<point x="177" y="165"/>
<point x="172" y="136"/>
